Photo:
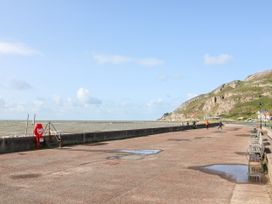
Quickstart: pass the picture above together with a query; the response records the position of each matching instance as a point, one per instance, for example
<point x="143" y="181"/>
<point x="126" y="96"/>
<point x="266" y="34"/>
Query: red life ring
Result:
<point x="38" y="133"/>
<point x="38" y="130"/>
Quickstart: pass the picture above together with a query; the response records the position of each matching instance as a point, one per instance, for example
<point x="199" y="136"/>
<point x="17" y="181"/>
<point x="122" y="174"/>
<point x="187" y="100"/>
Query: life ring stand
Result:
<point x="38" y="132"/>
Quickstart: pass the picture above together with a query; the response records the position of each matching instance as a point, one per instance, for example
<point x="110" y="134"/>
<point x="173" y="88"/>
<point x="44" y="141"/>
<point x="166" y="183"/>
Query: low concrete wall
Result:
<point x="15" y="144"/>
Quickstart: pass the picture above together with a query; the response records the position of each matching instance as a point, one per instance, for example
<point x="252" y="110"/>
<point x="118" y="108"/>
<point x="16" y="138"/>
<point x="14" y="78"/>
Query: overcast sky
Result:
<point x="124" y="59"/>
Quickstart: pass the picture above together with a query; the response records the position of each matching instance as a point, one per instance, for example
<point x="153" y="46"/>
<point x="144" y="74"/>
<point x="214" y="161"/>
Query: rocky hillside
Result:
<point x="234" y="100"/>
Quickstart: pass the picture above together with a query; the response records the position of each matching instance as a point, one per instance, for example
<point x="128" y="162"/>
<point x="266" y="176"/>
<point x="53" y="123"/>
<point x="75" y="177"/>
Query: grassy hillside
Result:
<point x="231" y="100"/>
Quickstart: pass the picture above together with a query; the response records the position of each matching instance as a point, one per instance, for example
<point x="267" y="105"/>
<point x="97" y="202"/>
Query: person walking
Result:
<point x="207" y="124"/>
<point x="194" y="124"/>
<point x="220" y="125"/>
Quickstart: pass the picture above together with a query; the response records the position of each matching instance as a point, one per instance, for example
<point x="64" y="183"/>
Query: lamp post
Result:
<point x="270" y="119"/>
<point x="260" y="114"/>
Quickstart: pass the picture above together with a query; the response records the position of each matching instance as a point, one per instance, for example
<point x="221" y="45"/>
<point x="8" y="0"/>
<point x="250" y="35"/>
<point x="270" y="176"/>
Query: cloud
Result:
<point x="121" y="59"/>
<point x="20" y="85"/>
<point x="219" y="59"/>
<point x="21" y="49"/>
<point x="83" y="96"/>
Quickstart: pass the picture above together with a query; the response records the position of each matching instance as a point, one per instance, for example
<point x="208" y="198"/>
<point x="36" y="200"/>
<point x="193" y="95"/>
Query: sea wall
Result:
<point x="15" y="144"/>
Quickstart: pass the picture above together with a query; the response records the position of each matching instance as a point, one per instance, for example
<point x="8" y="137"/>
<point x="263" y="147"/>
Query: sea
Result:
<point x="20" y="128"/>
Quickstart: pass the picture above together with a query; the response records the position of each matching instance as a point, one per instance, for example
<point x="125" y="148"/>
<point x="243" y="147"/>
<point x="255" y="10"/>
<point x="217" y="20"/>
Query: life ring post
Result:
<point x="38" y="132"/>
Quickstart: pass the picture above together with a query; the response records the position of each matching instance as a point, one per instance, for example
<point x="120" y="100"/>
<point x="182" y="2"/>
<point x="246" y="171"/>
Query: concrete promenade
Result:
<point x="102" y="173"/>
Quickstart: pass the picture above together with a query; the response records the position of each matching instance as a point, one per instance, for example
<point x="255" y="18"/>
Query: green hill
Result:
<point x="237" y="99"/>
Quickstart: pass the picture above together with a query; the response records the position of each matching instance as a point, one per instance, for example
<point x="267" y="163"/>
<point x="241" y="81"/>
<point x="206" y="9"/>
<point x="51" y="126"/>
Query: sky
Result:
<point x="124" y="59"/>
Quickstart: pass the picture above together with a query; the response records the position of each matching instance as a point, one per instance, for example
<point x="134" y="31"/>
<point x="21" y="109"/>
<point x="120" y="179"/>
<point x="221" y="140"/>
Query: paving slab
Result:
<point x="109" y="172"/>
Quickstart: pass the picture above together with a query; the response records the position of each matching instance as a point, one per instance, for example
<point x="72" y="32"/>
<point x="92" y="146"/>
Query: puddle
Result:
<point x="237" y="173"/>
<point x="141" y="151"/>
<point x="25" y="176"/>
<point x="126" y="154"/>
<point x="126" y="157"/>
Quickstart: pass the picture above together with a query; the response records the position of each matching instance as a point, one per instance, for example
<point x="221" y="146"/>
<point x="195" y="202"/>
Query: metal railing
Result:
<point x="51" y="130"/>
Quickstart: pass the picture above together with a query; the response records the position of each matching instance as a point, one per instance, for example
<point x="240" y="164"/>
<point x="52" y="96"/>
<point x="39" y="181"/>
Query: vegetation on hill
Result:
<point x="237" y="99"/>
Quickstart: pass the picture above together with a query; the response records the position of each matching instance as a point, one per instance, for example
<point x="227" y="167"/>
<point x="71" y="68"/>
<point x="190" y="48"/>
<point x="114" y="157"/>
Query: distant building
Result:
<point x="264" y="115"/>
